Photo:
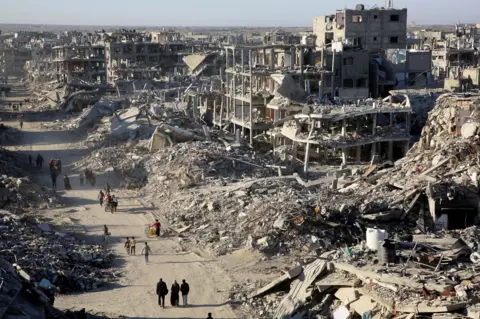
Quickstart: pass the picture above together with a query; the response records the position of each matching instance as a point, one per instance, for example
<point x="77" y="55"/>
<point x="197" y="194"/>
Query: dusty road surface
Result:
<point x="134" y="295"/>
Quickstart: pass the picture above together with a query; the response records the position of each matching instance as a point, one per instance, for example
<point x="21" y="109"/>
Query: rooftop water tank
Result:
<point x="359" y="7"/>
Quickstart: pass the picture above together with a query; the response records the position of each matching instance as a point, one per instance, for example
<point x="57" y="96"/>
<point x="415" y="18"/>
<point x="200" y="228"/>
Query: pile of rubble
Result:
<point x="42" y="253"/>
<point x="441" y="169"/>
<point x="16" y="189"/>
<point x="434" y="276"/>
<point x="23" y="298"/>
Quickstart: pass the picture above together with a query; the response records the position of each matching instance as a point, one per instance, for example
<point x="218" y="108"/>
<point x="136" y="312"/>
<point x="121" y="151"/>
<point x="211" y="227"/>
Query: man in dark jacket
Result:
<point x="209" y="316"/>
<point x="162" y="291"/>
<point x="185" y="289"/>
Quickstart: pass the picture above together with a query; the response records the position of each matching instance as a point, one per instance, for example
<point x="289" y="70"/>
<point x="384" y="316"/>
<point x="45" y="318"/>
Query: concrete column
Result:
<point x="237" y="136"/>
<point x="391" y="119"/>
<point x="344" y="127"/>
<point x="390" y="150"/>
<point x="302" y="62"/>
<point x="374" y="149"/>
<point x="344" y="156"/>
<point x="294" y="153"/>
<point x="214" y="111"/>
<point x="272" y="59"/>
<point x="406" y="147"/>
<point x="307" y="158"/>
<point x="226" y="58"/>
<point x="264" y="57"/>
<point x="221" y="111"/>
<point x="251" y="95"/>
<point x="243" y="118"/>
<point x="359" y="154"/>
<point x="293" y="53"/>
<point x="333" y="72"/>
<point x="374" y="124"/>
<point x="320" y="90"/>
<point x="243" y="60"/>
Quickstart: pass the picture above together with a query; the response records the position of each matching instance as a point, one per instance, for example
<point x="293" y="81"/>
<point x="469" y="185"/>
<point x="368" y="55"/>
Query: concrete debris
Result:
<point x="43" y="253"/>
<point x="29" y="299"/>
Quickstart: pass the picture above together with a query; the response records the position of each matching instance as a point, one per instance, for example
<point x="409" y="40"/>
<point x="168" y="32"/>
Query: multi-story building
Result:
<point x="373" y="29"/>
<point x="85" y="62"/>
<point x="131" y="57"/>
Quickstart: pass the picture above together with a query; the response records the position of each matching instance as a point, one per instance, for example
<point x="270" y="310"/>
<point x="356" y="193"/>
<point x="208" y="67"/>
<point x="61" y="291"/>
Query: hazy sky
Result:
<point x="218" y="12"/>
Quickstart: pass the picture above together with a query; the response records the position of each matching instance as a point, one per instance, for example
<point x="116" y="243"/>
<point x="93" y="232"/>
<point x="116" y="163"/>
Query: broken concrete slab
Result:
<point x="298" y="291"/>
<point x="291" y="274"/>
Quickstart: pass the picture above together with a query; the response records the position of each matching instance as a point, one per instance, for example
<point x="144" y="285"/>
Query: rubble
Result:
<point x="16" y="188"/>
<point x="24" y="298"/>
<point x="59" y="258"/>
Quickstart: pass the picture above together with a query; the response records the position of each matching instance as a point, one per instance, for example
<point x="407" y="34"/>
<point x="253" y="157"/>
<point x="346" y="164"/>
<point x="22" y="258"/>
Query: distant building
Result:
<point x="373" y="29"/>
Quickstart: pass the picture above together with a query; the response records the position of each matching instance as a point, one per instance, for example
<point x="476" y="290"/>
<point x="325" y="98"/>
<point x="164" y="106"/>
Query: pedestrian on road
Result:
<point x="156" y="225"/>
<point x="81" y="179"/>
<point x="162" y="291"/>
<point x="106" y="233"/>
<point x="30" y="160"/>
<point x="39" y="160"/>
<point x="185" y="289"/>
<point x="127" y="246"/>
<point x="146" y="252"/>
<point x="174" y="294"/>
<point x="209" y="316"/>
<point x="114" y="202"/>
<point x="66" y="181"/>
<point x="107" y="188"/>
<point x="133" y="243"/>
<point x="53" y="175"/>
<point x="101" y="196"/>
<point x="21" y="123"/>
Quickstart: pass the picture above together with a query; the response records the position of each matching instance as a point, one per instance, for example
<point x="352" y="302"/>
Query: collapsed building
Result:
<point x="352" y="133"/>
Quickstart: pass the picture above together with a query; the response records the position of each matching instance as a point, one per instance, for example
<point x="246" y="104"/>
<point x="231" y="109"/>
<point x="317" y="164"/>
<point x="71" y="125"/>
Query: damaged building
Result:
<point x="373" y="29"/>
<point x="347" y="133"/>
<point x="85" y="62"/>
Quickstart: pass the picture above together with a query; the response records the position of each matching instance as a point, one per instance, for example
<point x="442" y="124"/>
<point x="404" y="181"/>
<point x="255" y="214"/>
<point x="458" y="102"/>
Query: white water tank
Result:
<point x="374" y="236"/>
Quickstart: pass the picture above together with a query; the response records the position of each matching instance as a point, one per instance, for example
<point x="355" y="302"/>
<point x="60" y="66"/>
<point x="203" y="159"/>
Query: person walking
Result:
<point x="174" y="294"/>
<point x="106" y="233"/>
<point x="127" y="246"/>
<point x="133" y="243"/>
<point x="66" y="181"/>
<point x="114" y="202"/>
<point x="146" y="252"/>
<point x="21" y="123"/>
<point x="39" y="160"/>
<point x="101" y="196"/>
<point x="185" y="289"/>
<point x="162" y="291"/>
<point x="156" y="225"/>
<point x="53" y="175"/>
<point x="107" y="188"/>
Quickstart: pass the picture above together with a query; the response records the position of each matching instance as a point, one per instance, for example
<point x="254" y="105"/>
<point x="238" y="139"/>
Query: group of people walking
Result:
<point x="175" y="291"/>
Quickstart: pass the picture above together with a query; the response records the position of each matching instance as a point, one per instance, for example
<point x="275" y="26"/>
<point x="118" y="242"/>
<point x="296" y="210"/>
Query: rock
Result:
<point x="279" y="222"/>
<point x="470" y="129"/>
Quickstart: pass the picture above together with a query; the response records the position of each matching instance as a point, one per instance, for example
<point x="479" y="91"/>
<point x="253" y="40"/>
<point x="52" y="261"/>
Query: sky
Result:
<point x="275" y="13"/>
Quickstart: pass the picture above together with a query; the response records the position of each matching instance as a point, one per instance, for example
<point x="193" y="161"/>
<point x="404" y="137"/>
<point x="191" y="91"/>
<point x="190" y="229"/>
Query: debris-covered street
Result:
<point x="329" y="172"/>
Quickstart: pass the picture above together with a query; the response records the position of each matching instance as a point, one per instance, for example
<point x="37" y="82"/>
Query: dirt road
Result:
<point x="134" y="295"/>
